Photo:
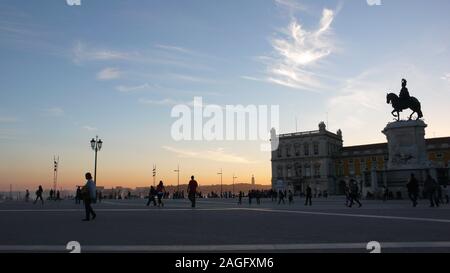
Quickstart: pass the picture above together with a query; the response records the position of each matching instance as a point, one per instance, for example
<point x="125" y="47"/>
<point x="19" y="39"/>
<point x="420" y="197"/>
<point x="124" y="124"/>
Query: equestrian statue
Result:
<point x="404" y="101"/>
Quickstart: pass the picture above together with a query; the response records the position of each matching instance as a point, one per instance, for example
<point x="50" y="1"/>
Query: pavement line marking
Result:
<point x="231" y="247"/>
<point x="436" y="220"/>
<point x="357" y="215"/>
<point x="122" y="210"/>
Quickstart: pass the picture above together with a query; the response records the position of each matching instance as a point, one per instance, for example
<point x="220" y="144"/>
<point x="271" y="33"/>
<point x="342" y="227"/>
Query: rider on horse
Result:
<point x="404" y="95"/>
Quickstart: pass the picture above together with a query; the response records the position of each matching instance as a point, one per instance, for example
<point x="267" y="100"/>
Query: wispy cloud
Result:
<point x="54" y="111"/>
<point x="190" y="78"/>
<point x="90" y="128"/>
<point x="133" y="88"/>
<point x="446" y="77"/>
<point x="165" y="102"/>
<point x="82" y="53"/>
<point x="298" y="53"/>
<point x="292" y="5"/>
<point x="219" y="155"/>
<point x="174" y="48"/>
<point x="109" y="73"/>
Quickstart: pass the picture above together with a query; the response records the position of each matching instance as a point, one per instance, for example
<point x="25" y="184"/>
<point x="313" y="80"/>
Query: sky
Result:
<point x="117" y="68"/>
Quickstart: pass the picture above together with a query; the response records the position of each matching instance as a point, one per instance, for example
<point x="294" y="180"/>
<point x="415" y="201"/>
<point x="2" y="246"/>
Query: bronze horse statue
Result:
<point x="398" y="105"/>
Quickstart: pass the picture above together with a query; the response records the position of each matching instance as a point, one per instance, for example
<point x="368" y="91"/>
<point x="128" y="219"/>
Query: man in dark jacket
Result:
<point x="413" y="189"/>
<point x="308" y="196"/>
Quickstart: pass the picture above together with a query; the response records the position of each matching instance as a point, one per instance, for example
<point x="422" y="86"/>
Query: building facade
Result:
<point x="319" y="159"/>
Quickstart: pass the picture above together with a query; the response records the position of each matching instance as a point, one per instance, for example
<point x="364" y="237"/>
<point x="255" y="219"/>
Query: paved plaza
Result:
<point x="222" y="225"/>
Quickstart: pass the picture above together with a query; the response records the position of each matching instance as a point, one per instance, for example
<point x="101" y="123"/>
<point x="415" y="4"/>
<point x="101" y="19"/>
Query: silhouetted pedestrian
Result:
<point x="88" y="194"/>
<point x="152" y="196"/>
<point x="430" y="186"/>
<point x="354" y="194"/>
<point x="160" y="190"/>
<point x="192" y="191"/>
<point x="280" y="197"/>
<point x="39" y="195"/>
<point x="413" y="189"/>
<point x="290" y="197"/>
<point x="308" y="196"/>
<point x="27" y="196"/>
<point x="78" y="195"/>
<point x="385" y="194"/>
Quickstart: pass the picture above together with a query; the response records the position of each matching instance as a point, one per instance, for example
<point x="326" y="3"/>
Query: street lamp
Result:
<point x="96" y="145"/>
<point x="221" y="185"/>
<point x="178" y="178"/>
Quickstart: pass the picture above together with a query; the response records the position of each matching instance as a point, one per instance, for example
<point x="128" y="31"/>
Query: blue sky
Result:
<point x="115" y="68"/>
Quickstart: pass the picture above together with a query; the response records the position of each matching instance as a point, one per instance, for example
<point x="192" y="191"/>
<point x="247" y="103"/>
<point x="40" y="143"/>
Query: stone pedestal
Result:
<point x="406" y="145"/>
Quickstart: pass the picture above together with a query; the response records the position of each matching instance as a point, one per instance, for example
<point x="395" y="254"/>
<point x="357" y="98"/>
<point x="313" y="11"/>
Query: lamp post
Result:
<point x="178" y="178"/>
<point x="233" y="183"/>
<point x="221" y="184"/>
<point x="96" y="145"/>
<point x="55" y="172"/>
<point x="154" y="175"/>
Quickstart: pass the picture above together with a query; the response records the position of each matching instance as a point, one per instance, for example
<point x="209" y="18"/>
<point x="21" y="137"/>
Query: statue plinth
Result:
<point x="406" y="145"/>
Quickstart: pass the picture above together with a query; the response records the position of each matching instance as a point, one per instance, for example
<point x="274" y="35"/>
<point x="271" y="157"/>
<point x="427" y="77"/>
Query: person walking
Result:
<point x="354" y="194"/>
<point x="308" y="196"/>
<point x="27" y="195"/>
<point x="258" y="197"/>
<point x="160" y="190"/>
<point x="430" y="189"/>
<point x="385" y="194"/>
<point x="192" y="191"/>
<point x="280" y="197"/>
<point x="413" y="189"/>
<point x="347" y="195"/>
<point x="290" y="197"/>
<point x="88" y="193"/>
<point x="241" y="194"/>
<point x="78" y="195"/>
<point x="39" y="195"/>
<point x="152" y="196"/>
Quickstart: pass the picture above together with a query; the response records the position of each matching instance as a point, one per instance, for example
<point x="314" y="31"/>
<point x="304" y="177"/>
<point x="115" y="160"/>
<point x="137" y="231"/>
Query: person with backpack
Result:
<point x="88" y="193"/>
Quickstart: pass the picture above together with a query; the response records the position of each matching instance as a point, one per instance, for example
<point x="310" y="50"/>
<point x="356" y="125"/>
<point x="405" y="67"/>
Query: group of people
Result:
<point x="431" y="190"/>
<point x="159" y="192"/>
<point x="352" y="194"/>
<point x="156" y="194"/>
